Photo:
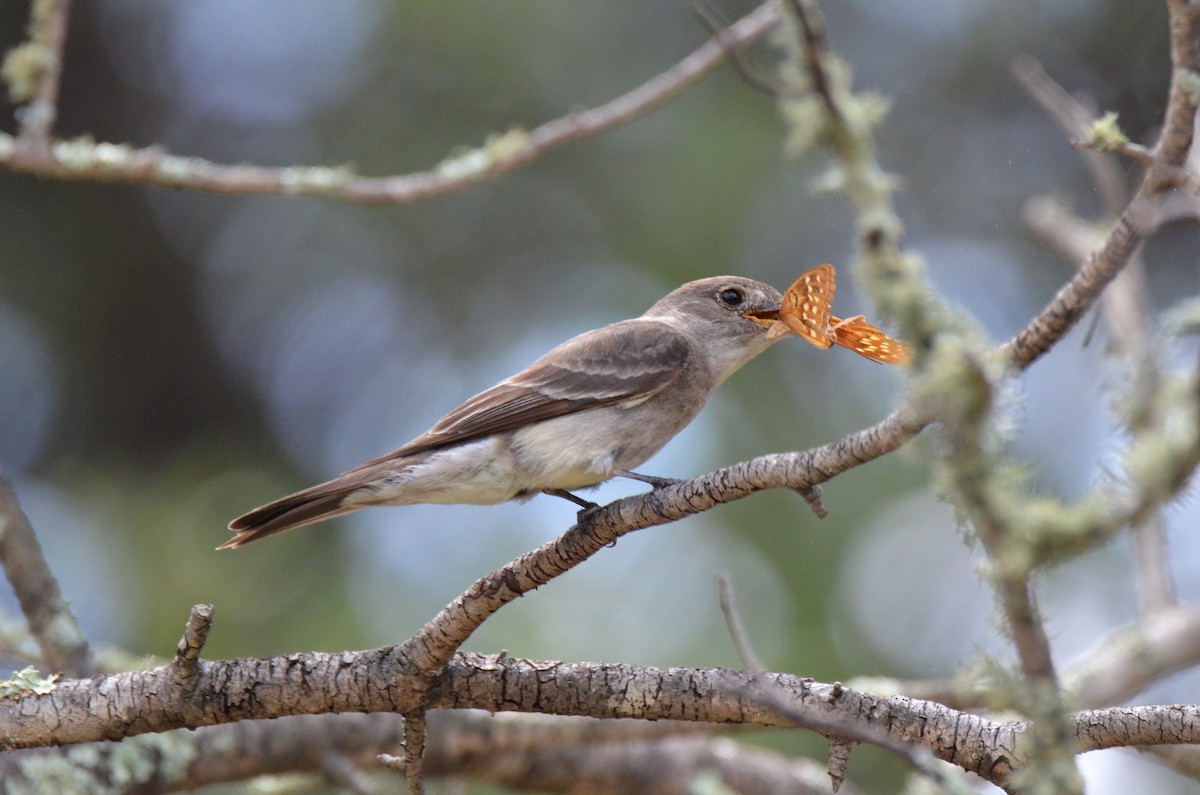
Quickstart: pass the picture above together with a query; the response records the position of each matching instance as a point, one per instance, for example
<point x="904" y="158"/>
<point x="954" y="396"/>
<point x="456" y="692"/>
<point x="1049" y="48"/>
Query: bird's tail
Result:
<point x="314" y="504"/>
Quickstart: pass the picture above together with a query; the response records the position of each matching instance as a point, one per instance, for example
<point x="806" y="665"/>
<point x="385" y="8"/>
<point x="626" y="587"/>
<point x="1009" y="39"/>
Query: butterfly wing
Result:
<point x="868" y="341"/>
<point x="806" y="303"/>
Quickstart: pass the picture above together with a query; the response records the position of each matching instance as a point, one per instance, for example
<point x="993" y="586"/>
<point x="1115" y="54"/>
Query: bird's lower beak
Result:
<point x="766" y="316"/>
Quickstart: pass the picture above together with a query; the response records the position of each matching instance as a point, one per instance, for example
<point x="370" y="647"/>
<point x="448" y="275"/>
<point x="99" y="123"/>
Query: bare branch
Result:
<point x="1135" y="152"/>
<point x="1128" y="661"/>
<point x="343" y="771"/>
<point x="816" y="54"/>
<point x="733" y="622"/>
<point x="841" y="734"/>
<point x="750" y="75"/>
<point x="50" y="619"/>
<point x="1073" y="118"/>
<point x="679" y="764"/>
<point x="187" y="654"/>
<point x="414" y="749"/>
<point x="812" y="496"/>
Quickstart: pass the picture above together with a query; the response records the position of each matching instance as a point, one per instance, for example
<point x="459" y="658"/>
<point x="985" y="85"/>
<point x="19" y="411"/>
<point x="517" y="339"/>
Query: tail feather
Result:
<point x="296" y="510"/>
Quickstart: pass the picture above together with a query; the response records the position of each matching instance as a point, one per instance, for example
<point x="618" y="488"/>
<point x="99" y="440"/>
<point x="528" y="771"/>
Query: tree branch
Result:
<point x="51" y="622"/>
<point x="138" y="702"/>
<point x="84" y="160"/>
<point x="437" y="641"/>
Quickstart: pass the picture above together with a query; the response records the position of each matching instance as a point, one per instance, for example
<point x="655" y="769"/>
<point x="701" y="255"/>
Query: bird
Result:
<point x="593" y="408"/>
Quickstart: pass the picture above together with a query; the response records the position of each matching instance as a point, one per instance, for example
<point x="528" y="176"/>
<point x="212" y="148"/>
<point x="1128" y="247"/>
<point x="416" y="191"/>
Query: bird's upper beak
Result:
<point x="765" y="316"/>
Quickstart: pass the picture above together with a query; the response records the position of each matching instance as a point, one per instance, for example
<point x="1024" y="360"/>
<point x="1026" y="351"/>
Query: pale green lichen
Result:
<point x="1162" y="457"/>
<point x="42" y="773"/>
<point x="25" y="63"/>
<point x="63" y="631"/>
<point x="1184" y="319"/>
<point x="84" y="154"/>
<point x="309" y="180"/>
<point x="1105" y="134"/>
<point x="707" y="782"/>
<point x="470" y="164"/>
<point x="174" y="170"/>
<point x="22" y="70"/>
<point x="112" y="156"/>
<point x="28" y="681"/>
<point x="138" y="760"/>
<point x="75" y="153"/>
<point x="1189" y="83"/>
<point x="94" y="769"/>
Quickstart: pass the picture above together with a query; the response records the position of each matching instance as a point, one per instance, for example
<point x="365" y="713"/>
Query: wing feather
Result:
<point x="630" y="360"/>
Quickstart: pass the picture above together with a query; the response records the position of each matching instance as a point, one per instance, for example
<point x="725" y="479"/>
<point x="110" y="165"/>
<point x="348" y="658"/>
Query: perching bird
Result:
<point x="593" y="408"/>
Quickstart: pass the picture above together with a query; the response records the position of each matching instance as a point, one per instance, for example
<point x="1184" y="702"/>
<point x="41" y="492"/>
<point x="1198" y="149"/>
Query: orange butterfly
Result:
<point x="805" y="311"/>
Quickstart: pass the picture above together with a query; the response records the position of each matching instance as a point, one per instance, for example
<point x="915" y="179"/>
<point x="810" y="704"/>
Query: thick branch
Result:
<point x="149" y="701"/>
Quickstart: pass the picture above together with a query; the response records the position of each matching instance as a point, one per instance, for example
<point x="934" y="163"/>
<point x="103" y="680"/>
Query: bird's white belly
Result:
<point x="582" y="449"/>
<point x="476" y="473"/>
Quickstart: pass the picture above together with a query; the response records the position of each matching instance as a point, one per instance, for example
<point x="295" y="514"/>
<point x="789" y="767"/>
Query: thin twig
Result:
<point x="414" y="750"/>
<point x="51" y="621"/>
<point x="345" y="773"/>
<point x="812" y="498"/>
<point x="83" y="160"/>
<point x="840" y="732"/>
<point x="1135" y="152"/>
<point x="816" y="53"/>
<point x="750" y="75"/>
<point x="187" y="654"/>
<point x="1073" y="118"/>
<point x="1152" y="570"/>
<point x="733" y="622"/>
<point x="1128" y="661"/>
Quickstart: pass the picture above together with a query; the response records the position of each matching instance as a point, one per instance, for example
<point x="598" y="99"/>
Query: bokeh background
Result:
<point x="171" y="359"/>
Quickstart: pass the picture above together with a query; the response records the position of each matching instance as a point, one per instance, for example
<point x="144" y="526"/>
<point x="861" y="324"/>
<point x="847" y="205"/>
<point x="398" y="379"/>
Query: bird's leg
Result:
<point x="566" y="495"/>
<point x="655" y="482"/>
<point x="586" y="508"/>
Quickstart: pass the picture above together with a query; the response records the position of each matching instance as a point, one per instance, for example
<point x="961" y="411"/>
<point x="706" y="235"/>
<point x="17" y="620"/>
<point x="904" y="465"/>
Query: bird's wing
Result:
<point x="630" y="360"/>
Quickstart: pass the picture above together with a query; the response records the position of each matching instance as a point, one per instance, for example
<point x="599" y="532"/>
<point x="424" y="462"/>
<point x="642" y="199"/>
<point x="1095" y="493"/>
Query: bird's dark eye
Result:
<point x="732" y="296"/>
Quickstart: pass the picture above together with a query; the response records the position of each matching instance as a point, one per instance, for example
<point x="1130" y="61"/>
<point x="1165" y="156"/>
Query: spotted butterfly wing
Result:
<point x="868" y="341"/>
<point x="806" y="304"/>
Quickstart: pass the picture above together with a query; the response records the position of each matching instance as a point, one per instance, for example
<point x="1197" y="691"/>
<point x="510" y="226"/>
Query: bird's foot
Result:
<point x="655" y="482"/>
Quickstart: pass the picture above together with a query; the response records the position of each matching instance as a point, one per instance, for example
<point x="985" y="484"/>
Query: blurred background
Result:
<point x="172" y="359"/>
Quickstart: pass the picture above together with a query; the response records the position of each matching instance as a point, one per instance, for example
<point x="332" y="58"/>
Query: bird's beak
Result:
<point x="765" y="316"/>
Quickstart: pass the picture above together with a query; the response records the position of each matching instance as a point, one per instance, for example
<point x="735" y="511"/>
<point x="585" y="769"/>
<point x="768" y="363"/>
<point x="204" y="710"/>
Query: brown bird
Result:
<point x="593" y="408"/>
